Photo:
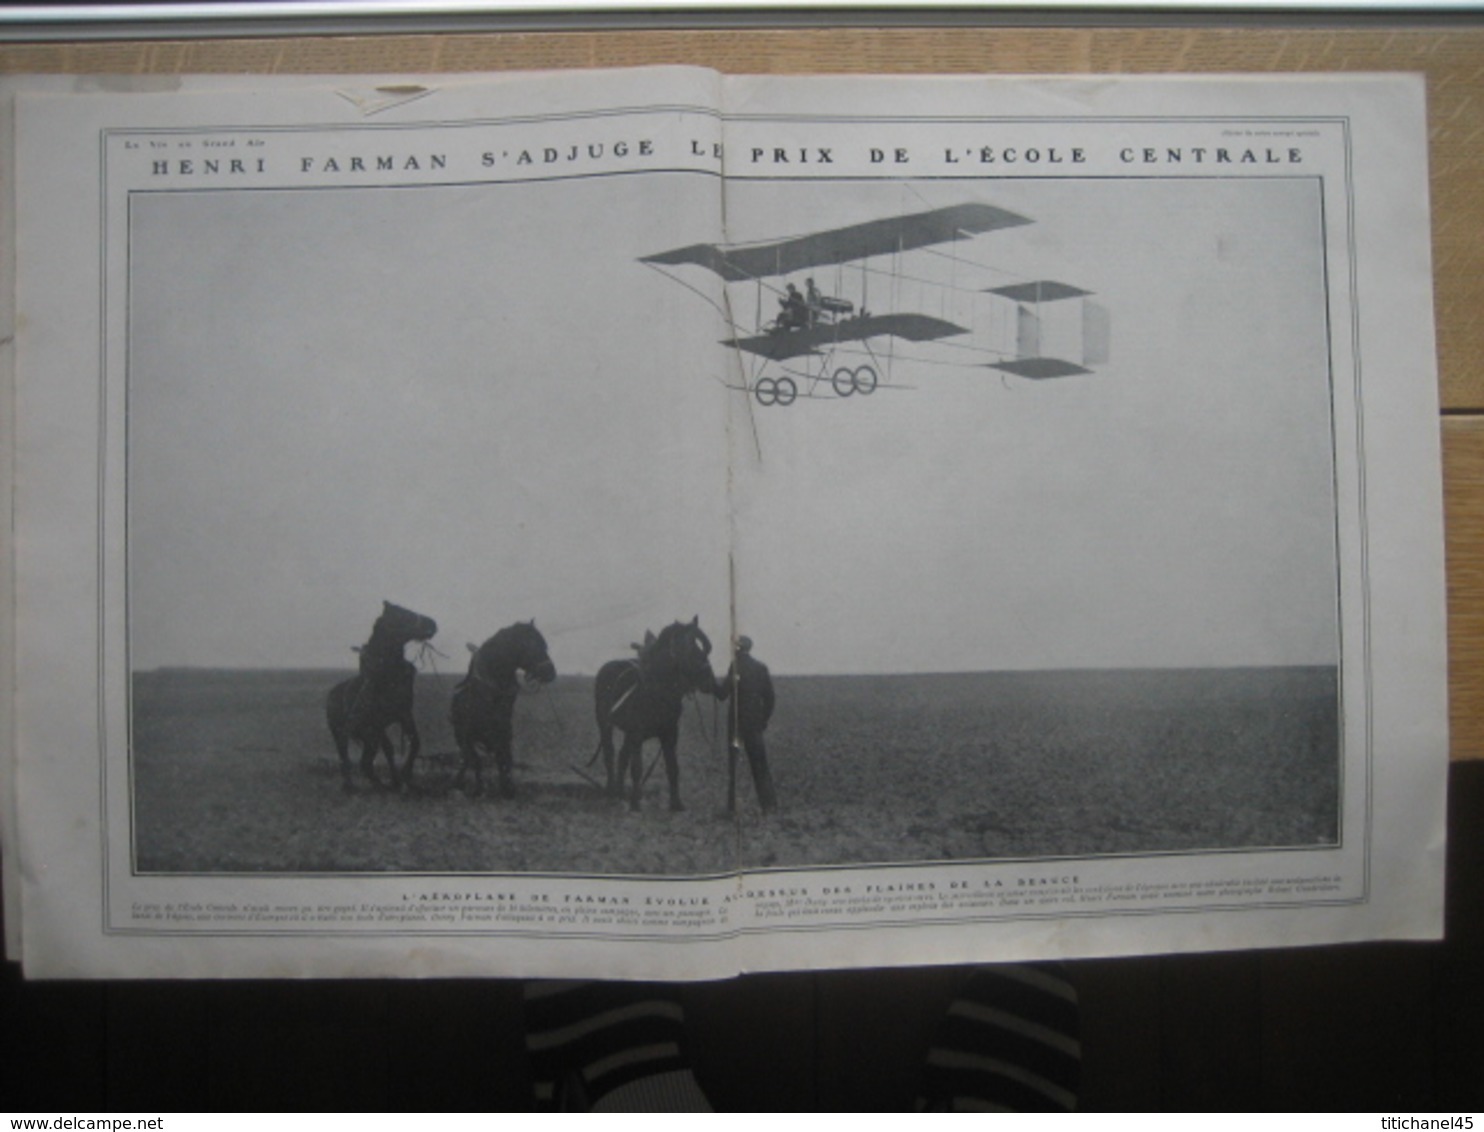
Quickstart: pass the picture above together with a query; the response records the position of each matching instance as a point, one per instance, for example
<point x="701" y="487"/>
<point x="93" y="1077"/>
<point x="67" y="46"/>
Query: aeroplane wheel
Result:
<point x="766" y="391"/>
<point x="785" y="391"/>
<point x="844" y="382"/>
<point x="864" y="380"/>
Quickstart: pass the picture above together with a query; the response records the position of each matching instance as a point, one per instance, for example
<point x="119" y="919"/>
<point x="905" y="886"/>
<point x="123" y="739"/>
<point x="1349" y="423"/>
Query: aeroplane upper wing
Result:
<point x="781" y="345"/>
<point x="842" y="245"/>
<point x="1039" y="291"/>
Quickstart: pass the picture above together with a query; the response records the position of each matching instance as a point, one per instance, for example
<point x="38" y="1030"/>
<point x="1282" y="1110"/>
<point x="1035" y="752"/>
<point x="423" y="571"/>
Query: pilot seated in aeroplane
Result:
<point x="795" y="310"/>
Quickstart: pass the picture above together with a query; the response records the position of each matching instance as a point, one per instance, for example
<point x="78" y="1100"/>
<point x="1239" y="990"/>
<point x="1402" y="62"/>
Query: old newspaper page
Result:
<point x="652" y="524"/>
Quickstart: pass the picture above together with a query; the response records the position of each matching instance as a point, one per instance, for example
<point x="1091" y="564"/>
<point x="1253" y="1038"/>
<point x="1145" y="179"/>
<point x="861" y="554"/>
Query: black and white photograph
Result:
<point x="761" y="518"/>
<point x="484" y="425"/>
<point x="1021" y="492"/>
<point x="1064" y="585"/>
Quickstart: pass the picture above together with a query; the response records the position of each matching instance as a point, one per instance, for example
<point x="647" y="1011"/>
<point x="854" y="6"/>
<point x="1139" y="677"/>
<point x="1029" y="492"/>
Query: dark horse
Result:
<point x="642" y="698"/>
<point x="362" y="708"/>
<point x="483" y="708"/>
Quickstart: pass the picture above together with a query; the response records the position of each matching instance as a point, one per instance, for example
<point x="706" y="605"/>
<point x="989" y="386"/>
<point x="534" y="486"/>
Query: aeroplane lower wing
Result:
<point x="781" y="345"/>
<point x="843" y="245"/>
<point x="1040" y="368"/>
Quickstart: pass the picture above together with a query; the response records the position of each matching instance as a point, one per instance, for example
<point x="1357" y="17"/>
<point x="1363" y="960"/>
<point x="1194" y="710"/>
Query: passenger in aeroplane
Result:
<point x="814" y="299"/>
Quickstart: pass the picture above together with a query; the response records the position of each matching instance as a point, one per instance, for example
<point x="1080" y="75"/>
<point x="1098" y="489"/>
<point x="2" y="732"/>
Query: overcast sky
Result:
<point x="1174" y="508"/>
<point x="476" y="402"/>
<point x="459" y="400"/>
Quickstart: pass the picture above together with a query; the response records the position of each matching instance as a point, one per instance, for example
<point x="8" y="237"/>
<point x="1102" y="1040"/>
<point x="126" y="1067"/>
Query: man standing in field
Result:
<point x="750" y="688"/>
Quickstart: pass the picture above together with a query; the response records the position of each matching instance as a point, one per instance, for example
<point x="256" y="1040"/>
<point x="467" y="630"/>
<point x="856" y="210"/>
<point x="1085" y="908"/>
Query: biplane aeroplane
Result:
<point x="832" y="345"/>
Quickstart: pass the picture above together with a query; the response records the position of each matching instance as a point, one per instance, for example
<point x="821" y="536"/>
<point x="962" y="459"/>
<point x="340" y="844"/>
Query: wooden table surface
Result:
<point x="1451" y="57"/>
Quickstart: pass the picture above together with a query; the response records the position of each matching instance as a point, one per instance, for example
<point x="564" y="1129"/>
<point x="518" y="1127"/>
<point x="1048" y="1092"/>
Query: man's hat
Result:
<point x="744" y="644"/>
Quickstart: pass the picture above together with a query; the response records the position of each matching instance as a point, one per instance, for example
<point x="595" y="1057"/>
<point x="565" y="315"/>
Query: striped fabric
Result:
<point x="588" y="1039"/>
<point x="1008" y="1043"/>
<point x="663" y="1092"/>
